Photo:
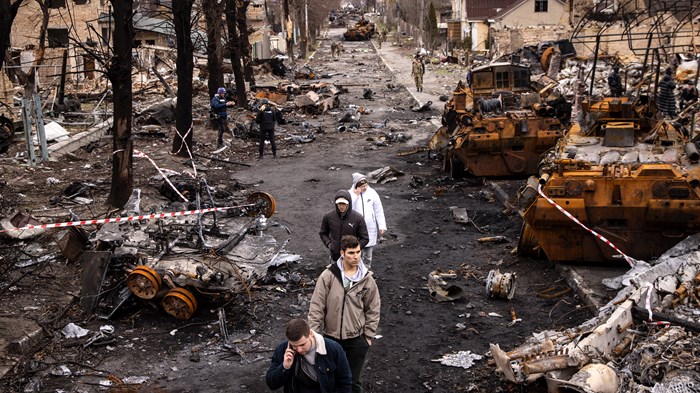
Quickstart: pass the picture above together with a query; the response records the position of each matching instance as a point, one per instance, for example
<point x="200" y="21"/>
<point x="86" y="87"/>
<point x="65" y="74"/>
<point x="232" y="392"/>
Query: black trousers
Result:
<point x="268" y="134"/>
<point x="222" y="126"/>
<point x="356" y="352"/>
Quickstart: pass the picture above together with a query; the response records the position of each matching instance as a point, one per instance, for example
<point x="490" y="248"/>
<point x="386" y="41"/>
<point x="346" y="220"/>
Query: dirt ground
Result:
<point x="188" y="356"/>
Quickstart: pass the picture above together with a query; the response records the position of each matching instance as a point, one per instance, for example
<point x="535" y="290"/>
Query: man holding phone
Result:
<point x="308" y="363"/>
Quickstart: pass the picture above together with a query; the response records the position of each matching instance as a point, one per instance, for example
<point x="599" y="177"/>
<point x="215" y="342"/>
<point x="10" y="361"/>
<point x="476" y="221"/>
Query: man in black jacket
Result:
<point x="267" y="117"/>
<point x="342" y="221"/>
<point x="308" y="363"/>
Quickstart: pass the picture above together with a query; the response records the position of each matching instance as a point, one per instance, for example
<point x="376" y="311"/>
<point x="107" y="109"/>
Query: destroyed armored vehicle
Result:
<point x="181" y="261"/>
<point x="500" y="125"/>
<point x="623" y="173"/>
<point x="361" y="31"/>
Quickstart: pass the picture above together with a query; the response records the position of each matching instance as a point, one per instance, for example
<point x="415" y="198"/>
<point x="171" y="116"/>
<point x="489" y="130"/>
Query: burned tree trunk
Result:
<point x="182" y="18"/>
<point x="245" y="48"/>
<point x="235" y="51"/>
<point x="289" y="30"/>
<point x="119" y="73"/>
<point x="212" y="15"/>
<point x="8" y="11"/>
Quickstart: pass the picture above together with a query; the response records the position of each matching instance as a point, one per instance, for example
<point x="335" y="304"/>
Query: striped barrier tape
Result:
<point x="631" y="261"/>
<point x="122" y="219"/>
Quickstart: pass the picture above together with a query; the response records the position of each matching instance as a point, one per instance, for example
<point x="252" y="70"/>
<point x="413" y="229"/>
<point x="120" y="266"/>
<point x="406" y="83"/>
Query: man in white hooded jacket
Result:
<point x="366" y="201"/>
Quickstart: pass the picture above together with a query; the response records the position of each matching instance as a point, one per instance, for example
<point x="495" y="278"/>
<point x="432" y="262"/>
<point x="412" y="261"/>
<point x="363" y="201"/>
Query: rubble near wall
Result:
<point x="511" y="39"/>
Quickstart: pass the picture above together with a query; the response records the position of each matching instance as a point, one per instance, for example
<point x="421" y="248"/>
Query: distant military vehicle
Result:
<point x="499" y="125"/>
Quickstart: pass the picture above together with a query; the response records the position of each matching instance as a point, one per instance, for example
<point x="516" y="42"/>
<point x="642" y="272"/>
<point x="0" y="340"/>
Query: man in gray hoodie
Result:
<point x="342" y="221"/>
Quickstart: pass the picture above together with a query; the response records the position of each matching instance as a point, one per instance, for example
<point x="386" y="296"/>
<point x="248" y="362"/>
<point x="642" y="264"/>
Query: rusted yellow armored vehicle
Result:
<point x="361" y="31"/>
<point x="623" y="173"/>
<point x="500" y="125"/>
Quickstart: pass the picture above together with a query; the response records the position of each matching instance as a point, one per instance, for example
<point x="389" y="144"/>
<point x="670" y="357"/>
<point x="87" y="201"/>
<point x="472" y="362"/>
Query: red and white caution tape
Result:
<point x="631" y="261"/>
<point x="138" y="153"/>
<point x="122" y="219"/>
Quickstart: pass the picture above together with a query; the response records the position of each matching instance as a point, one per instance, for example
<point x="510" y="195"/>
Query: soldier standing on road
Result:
<point x="267" y="117"/>
<point x="345" y="306"/>
<point x="302" y="363"/>
<point x="342" y="221"/>
<point x="366" y="201"/>
<point x="417" y="70"/>
<point x="218" y="114"/>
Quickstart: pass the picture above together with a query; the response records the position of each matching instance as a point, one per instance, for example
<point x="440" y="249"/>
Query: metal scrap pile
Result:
<point x="644" y="340"/>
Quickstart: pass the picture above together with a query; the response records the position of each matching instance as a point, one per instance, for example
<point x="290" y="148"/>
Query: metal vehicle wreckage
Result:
<point x="177" y="261"/>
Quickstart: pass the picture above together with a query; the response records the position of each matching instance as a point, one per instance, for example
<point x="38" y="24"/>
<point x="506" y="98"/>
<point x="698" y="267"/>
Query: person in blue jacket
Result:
<point x="219" y="115"/>
<point x="308" y="363"/>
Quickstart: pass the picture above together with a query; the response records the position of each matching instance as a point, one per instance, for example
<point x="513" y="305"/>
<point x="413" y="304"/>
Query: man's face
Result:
<point x="222" y="95"/>
<point x="303" y="345"/>
<point x="342" y="207"/>
<point x="351" y="256"/>
<point x="362" y="188"/>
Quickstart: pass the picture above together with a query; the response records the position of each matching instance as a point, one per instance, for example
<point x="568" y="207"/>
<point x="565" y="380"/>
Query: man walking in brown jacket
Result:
<point x="345" y="306"/>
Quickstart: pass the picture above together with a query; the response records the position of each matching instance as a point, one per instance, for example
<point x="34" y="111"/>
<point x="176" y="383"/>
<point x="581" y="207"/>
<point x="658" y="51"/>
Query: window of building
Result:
<point x="57" y="3"/>
<point x="105" y="35"/>
<point x="541" y="5"/>
<point x="58" y="38"/>
<point x="502" y="80"/>
<point x="80" y="2"/>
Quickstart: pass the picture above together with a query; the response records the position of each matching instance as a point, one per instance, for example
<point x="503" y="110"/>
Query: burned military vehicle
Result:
<point x="180" y="261"/>
<point x="363" y="30"/>
<point x="500" y="125"/>
<point x="623" y="173"/>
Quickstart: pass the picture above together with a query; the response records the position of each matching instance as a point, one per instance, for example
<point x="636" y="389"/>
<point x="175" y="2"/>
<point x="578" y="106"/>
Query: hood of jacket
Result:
<point x="343" y="194"/>
<point x="356" y="177"/>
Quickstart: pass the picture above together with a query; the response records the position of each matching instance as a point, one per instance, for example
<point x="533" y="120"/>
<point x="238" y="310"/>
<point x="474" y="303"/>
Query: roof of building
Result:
<point x="492" y="9"/>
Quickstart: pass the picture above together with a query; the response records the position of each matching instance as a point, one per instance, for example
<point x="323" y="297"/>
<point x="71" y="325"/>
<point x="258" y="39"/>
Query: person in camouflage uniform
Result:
<point x="417" y="70"/>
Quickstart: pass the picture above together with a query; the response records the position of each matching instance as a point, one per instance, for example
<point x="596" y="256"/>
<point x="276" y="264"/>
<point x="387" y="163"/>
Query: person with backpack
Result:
<point x="267" y="117"/>
<point x="218" y="114"/>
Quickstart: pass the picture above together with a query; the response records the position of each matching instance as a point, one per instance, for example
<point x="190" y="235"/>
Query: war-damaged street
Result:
<point x="189" y="286"/>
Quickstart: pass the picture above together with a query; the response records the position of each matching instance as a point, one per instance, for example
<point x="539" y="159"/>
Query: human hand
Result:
<point x="369" y="341"/>
<point x="230" y="103"/>
<point x="288" y="357"/>
<point x="381" y="232"/>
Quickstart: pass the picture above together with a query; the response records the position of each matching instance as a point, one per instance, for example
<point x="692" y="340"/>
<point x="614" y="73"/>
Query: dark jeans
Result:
<point x="356" y="352"/>
<point x="220" y="123"/>
<point x="268" y="134"/>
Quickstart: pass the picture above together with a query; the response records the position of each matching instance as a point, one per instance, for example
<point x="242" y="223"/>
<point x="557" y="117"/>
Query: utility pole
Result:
<point x="420" y="24"/>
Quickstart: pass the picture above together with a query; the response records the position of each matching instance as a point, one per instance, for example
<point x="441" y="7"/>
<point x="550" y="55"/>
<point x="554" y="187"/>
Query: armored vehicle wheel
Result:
<point x="144" y="282"/>
<point x="264" y="204"/>
<point x="180" y="303"/>
<point x="528" y="246"/>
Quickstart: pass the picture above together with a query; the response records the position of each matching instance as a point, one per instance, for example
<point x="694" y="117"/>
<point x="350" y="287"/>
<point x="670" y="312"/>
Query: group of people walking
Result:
<point x="326" y="352"/>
